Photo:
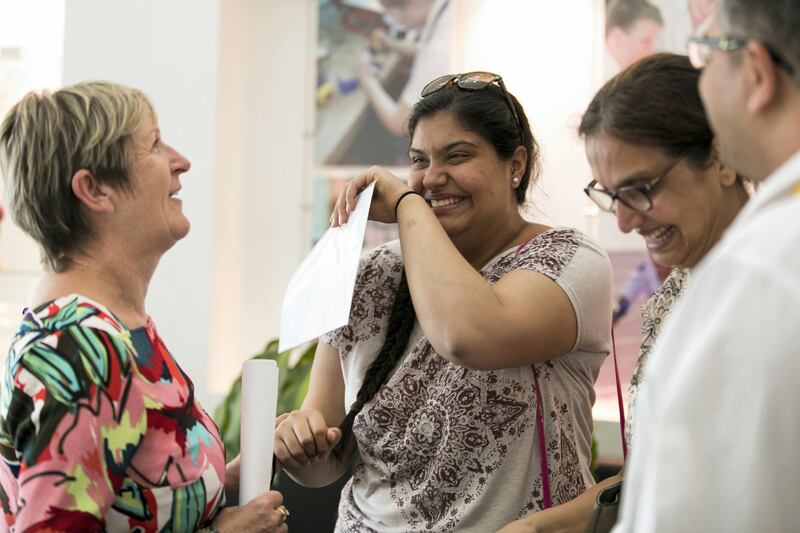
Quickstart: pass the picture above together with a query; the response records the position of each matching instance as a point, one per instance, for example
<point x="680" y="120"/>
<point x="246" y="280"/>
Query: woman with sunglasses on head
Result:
<point x="464" y="379"/>
<point x="652" y="155"/>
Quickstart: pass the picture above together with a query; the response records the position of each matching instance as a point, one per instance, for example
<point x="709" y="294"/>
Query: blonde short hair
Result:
<point x="46" y="138"/>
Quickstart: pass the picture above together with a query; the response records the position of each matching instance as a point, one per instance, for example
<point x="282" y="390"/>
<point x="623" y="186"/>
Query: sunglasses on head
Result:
<point x="474" y="81"/>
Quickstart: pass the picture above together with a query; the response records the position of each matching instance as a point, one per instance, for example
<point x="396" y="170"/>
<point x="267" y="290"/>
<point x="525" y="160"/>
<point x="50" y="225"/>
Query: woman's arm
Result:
<point x="523" y="319"/>
<point x="304" y="440"/>
<point x="571" y="517"/>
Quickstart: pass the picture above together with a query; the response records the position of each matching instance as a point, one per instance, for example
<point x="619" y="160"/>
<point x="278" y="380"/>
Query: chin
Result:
<point x="181" y="231"/>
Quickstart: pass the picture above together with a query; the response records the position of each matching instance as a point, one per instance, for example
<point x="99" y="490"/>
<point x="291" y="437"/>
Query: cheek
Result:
<point x="415" y="178"/>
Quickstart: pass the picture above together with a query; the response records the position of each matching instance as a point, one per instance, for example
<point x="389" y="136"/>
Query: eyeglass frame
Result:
<point x="731" y="44"/>
<point x="447" y="80"/>
<point x="645" y="188"/>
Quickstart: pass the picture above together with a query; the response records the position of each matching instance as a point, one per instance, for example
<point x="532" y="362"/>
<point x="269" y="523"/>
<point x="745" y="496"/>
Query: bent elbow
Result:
<point x="462" y="351"/>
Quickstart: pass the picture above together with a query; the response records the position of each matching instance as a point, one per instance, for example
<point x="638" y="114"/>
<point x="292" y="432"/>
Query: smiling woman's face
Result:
<point x="467" y="184"/>
<point x="691" y="206"/>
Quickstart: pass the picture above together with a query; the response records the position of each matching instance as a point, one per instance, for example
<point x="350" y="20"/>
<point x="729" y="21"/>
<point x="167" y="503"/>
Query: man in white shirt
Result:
<point x="719" y="410"/>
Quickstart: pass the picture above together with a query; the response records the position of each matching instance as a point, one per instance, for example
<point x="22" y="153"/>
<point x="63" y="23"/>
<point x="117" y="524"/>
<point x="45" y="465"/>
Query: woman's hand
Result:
<point x="263" y="513"/>
<point x="388" y="189"/>
<point x="303" y="437"/>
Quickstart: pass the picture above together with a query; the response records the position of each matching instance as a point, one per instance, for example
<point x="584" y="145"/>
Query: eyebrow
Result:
<point x="444" y="148"/>
<point x="636" y="177"/>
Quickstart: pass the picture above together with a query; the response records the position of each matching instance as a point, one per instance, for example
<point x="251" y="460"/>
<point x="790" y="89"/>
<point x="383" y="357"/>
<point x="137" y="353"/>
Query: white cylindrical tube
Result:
<point x="259" y="405"/>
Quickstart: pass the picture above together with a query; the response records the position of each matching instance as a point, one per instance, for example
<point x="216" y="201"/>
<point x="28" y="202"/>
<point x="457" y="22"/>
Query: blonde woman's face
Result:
<point x="154" y="206"/>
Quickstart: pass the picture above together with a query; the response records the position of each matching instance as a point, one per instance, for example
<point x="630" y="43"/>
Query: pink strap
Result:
<point x="619" y="397"/>
<point x="548" y="500"/>
<point x="546" y="494"/>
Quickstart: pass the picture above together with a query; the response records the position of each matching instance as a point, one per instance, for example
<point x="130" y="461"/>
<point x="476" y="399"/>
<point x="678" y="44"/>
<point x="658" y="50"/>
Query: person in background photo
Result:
<point x="464" y="378"/>
<point x="643" y="281"/>
<point x="718" y="432"/>
<point x="99" y="426"/>
<point x="631" y="30"/>
<point x="681" y="21"/>
<point x="431" y="51"/>
<point x="656" y="167"/>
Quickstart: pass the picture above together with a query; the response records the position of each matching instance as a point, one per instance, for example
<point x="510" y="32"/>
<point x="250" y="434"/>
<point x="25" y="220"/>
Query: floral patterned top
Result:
<point x="654" y="312"/>
<point x="100" y="429"/>
<point x="447" y="448"/>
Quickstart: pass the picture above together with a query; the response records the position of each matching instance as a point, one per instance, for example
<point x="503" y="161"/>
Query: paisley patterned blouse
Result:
<point x="100" y="430"/>
<point x="447" y="448"/>
<point x="654" y="312"/>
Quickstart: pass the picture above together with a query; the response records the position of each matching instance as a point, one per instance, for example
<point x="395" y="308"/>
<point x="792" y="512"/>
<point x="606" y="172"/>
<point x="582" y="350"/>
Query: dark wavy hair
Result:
<point x="655" y="102"/>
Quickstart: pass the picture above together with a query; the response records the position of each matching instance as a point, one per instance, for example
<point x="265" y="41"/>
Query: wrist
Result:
<point x="402" y="197"/>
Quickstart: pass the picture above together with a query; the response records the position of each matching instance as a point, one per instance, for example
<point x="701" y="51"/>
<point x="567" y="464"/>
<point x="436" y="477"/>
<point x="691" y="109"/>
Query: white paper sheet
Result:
<point x="259" y="405"/>
<point x="320" y="293"/>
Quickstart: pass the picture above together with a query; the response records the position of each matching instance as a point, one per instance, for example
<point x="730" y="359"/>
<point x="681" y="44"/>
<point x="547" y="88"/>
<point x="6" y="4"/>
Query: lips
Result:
<point x="657" y="238"/>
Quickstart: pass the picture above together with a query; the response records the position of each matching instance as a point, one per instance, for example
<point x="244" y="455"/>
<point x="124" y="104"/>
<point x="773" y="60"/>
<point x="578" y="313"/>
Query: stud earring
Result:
<point x="515" y="181"/>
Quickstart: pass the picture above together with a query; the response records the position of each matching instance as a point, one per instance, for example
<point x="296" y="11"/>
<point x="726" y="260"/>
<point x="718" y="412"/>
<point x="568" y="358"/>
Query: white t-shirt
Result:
<point x="718" y="421"/>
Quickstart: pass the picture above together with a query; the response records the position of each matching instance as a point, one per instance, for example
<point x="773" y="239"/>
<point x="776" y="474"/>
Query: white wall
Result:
<point x="262" y="213"/>
<point x="169" y="50"/>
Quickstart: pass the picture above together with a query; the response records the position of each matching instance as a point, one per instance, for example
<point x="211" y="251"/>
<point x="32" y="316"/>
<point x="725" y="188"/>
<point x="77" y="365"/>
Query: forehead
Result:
<point x="440" y="129"/>
<point x="148" y="124"/>
<point x="614" y="161"/>
<point x="644" y="27"/>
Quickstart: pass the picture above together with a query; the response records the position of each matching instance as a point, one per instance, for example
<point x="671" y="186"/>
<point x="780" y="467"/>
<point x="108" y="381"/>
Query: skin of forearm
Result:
<point x="571" y="517"/>
<point x="452" y="300"/>
<point x="388" y="111"/>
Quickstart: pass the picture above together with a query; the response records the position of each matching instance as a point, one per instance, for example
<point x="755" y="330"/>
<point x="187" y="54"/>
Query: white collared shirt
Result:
<point x="718" y="422"/>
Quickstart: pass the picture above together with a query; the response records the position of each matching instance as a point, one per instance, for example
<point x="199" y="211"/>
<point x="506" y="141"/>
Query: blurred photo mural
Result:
<point x="373" y="58"/>
<point x="636" y="28"/>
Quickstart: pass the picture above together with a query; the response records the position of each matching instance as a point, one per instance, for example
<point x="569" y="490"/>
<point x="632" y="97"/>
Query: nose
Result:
<point x="627" y="218"/>
<point x="435" y="176"/>
<point x="178" y="162"/>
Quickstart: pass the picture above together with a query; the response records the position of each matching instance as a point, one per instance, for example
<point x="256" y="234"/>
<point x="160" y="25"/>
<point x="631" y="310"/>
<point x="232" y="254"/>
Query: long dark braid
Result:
<point x="401" y="323"/>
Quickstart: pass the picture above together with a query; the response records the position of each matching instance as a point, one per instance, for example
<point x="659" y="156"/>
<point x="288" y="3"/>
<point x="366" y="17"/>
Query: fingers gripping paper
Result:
<point x="259" y="403"/>
<point x="320" y="293"/>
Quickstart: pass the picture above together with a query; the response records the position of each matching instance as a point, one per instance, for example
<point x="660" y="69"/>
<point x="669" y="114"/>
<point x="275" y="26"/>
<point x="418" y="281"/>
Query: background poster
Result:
<point x="373" y="58"/>
<point x="636" y="28"/>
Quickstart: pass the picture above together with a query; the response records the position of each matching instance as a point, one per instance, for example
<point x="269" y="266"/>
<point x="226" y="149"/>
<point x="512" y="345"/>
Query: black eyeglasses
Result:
<point x="638" y="197"/>
<point x="700" y="48"/>
<point x="474" y="81"/>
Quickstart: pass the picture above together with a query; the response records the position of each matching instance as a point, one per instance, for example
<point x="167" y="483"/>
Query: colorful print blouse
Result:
<point x="100" y="429"/>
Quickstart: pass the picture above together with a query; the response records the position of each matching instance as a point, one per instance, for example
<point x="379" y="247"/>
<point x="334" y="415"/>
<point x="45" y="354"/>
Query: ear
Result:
<point x="727" y="176"/>
<point x="763" y="77"/>
<point x="94" y="195"/>
<point x="518" y="161"/>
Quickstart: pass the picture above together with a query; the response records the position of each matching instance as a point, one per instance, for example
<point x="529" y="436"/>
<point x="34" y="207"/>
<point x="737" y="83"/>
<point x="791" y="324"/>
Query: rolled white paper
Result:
<point x="259" y="405"/>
